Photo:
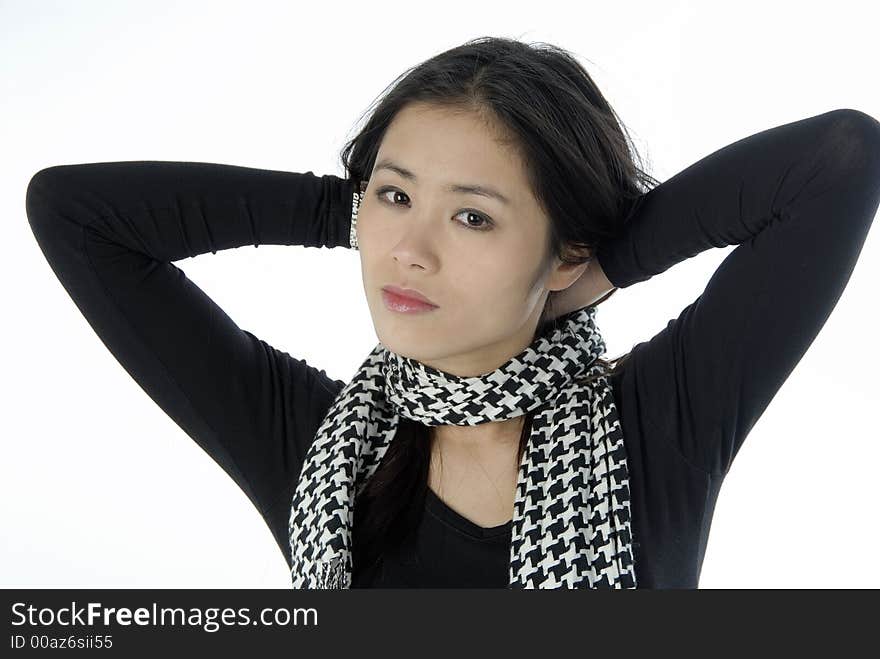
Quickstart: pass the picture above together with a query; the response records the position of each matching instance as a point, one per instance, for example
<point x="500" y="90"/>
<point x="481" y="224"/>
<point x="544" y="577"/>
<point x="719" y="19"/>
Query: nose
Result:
<point x="417" y="246"/>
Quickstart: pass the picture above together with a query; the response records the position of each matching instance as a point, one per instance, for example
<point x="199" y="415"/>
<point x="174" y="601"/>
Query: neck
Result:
<point x="486" y="437"/>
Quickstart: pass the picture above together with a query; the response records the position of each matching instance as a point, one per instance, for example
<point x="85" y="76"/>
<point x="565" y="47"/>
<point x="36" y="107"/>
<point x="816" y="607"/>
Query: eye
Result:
<point x="487" y="222"/>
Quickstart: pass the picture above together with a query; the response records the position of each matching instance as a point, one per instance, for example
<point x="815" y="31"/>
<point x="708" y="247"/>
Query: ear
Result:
<point x="562" y="275"/>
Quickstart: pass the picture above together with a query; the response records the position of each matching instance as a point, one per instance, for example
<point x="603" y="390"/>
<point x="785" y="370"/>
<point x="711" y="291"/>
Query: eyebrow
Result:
<point x="472" y="188"/>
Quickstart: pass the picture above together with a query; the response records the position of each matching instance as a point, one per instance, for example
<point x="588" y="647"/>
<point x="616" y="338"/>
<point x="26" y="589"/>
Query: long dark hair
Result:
<point x="582" y="168"/>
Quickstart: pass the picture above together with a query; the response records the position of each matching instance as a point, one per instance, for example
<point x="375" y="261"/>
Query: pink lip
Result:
<point x="406" y="300"/>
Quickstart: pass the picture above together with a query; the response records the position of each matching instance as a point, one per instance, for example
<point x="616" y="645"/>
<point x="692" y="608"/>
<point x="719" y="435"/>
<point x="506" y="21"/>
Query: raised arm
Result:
<point x="110" y="232"/>
<point x="798" y="200"/>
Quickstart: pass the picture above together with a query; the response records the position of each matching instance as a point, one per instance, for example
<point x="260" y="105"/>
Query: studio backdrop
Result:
<point x="193" y="272"/>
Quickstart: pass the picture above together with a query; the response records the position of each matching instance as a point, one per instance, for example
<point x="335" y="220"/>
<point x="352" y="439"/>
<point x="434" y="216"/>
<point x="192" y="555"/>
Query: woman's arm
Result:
<point x="110" y="232"/>
<point x="798" y="200"/>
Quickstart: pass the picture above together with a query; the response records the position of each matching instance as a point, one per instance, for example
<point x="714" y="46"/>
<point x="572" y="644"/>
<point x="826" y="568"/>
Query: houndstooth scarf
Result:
<point x="571" y="523"/>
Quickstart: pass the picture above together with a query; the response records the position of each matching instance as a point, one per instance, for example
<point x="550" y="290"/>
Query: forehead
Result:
<point x="441" y="145"/>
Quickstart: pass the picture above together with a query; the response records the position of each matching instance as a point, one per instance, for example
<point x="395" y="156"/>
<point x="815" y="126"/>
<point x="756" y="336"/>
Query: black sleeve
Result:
<point x="110" y="232"/>
<point x="798" y="200"/>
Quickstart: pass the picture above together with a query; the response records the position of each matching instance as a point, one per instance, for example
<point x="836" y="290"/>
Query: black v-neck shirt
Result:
<point x="797" y="200"/>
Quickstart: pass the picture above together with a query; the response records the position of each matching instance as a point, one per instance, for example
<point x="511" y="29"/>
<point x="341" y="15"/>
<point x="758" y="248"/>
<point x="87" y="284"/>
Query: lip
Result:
<point x="405" y="299"/>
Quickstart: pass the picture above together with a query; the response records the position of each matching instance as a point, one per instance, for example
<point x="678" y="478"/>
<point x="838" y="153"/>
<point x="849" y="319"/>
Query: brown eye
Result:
<point x="486" y="221"/>
<point x="383" y="191"/>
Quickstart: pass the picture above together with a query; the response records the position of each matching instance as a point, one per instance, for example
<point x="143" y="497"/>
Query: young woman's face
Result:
<point x="480" y="260"/>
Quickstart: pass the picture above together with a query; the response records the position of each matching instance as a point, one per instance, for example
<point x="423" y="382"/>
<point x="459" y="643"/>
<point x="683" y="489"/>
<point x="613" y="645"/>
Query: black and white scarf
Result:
<point x="571" y="523"/>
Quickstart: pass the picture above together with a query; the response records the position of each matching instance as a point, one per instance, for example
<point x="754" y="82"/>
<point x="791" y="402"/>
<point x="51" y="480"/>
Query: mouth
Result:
<point x="405" y="300"/>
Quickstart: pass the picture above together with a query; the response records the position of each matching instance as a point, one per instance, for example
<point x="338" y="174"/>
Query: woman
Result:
<point x="495" y="180"/>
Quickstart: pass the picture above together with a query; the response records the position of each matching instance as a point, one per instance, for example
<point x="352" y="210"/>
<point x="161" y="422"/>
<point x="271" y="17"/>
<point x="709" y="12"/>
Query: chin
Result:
<point x="395" y="345"/>
<point x="409" y="348"/>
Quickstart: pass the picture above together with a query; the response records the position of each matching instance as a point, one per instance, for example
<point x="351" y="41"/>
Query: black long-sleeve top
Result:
<point x="797" y="200"/>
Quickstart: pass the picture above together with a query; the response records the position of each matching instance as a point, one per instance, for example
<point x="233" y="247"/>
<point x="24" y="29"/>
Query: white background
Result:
<point x="98" y="487"/>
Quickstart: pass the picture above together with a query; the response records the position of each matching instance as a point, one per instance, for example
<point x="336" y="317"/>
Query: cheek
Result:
<point x="375" y="217"/>
<point x="491" y="277"/>
<point x="374" y="238"/>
